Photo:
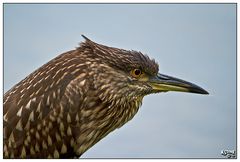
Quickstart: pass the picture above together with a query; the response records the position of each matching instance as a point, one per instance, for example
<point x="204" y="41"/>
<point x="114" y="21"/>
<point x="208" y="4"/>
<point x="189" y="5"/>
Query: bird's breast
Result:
<point x="99" y="118"/>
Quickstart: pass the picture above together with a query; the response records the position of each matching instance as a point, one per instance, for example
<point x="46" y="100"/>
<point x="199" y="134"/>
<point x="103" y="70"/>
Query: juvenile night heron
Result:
<point x="69" y="104"/>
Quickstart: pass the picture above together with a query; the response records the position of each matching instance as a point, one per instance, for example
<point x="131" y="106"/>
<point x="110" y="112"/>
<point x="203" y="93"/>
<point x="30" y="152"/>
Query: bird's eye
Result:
<point x="136" y="73"/>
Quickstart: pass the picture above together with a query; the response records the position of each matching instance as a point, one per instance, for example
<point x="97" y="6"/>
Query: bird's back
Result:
<point x="34" y="118"/>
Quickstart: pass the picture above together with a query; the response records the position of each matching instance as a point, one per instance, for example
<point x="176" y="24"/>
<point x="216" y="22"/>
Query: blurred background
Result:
<point x="195" y="42"/>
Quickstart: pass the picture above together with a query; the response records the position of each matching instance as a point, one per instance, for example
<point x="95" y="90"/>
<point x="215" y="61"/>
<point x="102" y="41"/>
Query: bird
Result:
<point x="76" y="99"/>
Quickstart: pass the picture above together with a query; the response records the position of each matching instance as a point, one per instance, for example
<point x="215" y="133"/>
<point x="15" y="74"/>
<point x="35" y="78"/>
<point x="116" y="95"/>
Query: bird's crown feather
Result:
<point x="123" y="59"/>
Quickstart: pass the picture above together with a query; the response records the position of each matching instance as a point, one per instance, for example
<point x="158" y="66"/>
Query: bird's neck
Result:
<point x="126" y="111"/>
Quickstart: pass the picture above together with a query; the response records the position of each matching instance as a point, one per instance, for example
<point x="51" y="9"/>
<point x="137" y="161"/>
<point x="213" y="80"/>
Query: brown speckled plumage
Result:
<point x="69" y="104"/>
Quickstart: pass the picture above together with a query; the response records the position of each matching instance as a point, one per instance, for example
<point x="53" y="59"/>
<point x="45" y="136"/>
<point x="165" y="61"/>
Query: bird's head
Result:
<point x="122" y="74"/>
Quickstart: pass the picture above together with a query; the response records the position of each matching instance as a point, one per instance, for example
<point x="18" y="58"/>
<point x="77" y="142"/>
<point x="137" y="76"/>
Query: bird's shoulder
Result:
<point x="35" y="102"/>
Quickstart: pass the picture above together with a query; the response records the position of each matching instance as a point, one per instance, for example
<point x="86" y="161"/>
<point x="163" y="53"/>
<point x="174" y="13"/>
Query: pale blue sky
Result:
<point x="195" y="42"/>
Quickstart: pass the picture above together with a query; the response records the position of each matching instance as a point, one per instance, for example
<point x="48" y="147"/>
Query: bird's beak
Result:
<point x="167" y="83"/>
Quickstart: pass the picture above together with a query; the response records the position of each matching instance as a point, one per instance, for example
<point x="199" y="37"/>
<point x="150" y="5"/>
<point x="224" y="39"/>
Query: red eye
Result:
<point x="136" y="73"/>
